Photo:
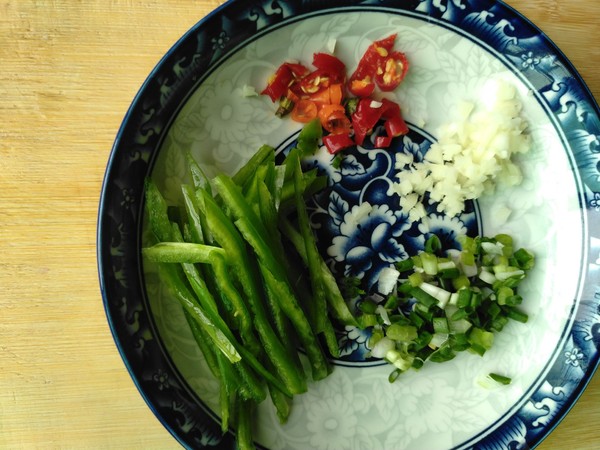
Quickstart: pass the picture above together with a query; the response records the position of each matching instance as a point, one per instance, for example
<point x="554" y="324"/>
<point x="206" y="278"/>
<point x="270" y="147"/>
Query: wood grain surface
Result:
<point x="68" y="72"/>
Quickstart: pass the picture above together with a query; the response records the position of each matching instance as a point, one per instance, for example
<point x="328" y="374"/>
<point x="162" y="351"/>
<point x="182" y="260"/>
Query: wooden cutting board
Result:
<point x="68" y="72"/>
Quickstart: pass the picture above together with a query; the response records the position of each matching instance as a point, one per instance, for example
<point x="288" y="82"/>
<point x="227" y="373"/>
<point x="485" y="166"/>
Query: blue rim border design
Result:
<point x="559" y="87"/>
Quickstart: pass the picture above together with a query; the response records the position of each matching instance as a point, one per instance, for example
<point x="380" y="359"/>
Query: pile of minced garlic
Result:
<point x="472" y="154"/>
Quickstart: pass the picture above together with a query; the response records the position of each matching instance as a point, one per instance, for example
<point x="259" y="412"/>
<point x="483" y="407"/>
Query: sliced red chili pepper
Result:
<point x="298" y="70"/>
<point x="281" y="80"/>
<point x="304" y="111"/>
<point x="334" y="120"/>
<point x="329" y="71"/>
<point x="292" y="96"/>
<point x="360" y="131"/>
<point x="312" y="83"/>
<point x="391" y="71"/>
<point x="337" y="142"/>
<point x="389" y="109"/>
<point x="320" y="93"/>
<point x="331" y="65"/>
<point x="361" y="88"/>
<point x="333" y="95"/>
<point x="368" y="64"/>
<point x="369" y="112"/>
<point x="387" y="42"/>
<point x="396" y="126"/>
<point x="278" y="83"/>
<point x="394" y="122"/>
<point x="322" y="97"/>
<point x="374" y="53"/>
<point x="383" y="141"/>
<point x="336" y="94"/>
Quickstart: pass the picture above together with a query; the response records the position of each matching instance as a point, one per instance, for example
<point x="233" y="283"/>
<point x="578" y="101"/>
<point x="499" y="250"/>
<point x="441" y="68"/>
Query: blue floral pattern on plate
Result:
<point x="383" y="235"/>
<point x="491" y="24"/>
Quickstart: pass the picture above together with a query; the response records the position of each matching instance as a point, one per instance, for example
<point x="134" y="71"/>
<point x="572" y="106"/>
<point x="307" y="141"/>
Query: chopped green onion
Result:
<point x="515" y="314"/>
<point x="464" y="298"/>
<point x="500" y="378"/>
<point x="441" y="295"/>
<point x="440" y="325"/>
<point x="524" y="258"/>
<point x="367" y="306"/>
<point x="285" y="107"/>
<point x="430" y="263"/>
<point x="438" y="339"/>
<point x="502" y="294"/>
<point x="403" y="333"/>
<point x="424" y="298"/>
<point x="467" y="258"/>
<point x="449" y="274"/>
<point x="457" y="301"/>
<point x="460" y="313"/>
<point x="367" y="320"/>
<point x="459" y="342"/>
<point x="403" y="266"/>
<point x="433" y="244"/>
<point x="394" y="375"/>
<point x="460" y="282"/>
<point x="442" y="354"/>
<point x="392" y="302"/>
<point x="416" y="319"/>
<point x="415" y="279"/>
<point x="418" y="363"/>
<point x="481" y="339"/>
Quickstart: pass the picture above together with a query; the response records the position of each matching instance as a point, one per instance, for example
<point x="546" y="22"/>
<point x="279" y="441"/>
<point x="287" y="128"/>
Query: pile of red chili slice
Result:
<point x="345" y="106"/>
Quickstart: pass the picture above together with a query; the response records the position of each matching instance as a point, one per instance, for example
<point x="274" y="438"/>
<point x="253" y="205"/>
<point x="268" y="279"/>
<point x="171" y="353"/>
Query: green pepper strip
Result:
<point x="199" y="178"/>
<point x="282" y="404"/>
<point x="170" y="276"/>
<point x="336" y="301"/>
<point x="312" y="183"/>
<point x="321" y="320"/>
<point x="239" y="259"/>
<point x="202" y="339"/>
<point x="308" y="138"/>
<point x="181" y="252"/>
<point x="227" y="391"/>
<point x="218" y="270"/>
<point x="265" y="189"/>
<point x="319" y="304"/>
<point x="230" y="292"/>
<point x="213" y="325"/>
<point x="196" y="281"/>
<point x="193" y="214"/>
<point x="163" y="230"/>
<point x="251" y="385"/>
<point x="268" y="213"/>
<point x="243" y="433"/>
<point x="308" y="339"/>
<point x="268" y="192"/>
<point x="255" y="234"/>
<point x="247" y="382"/>
<point x="263" y="154"/>
<point x="158" y="217"/>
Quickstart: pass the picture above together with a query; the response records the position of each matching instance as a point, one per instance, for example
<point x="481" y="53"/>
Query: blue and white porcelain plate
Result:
<point x="194" y="101"/>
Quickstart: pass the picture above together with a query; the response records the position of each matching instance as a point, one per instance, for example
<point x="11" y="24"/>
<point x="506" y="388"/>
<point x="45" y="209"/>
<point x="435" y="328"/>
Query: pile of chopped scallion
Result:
<point x="445" y="302"/>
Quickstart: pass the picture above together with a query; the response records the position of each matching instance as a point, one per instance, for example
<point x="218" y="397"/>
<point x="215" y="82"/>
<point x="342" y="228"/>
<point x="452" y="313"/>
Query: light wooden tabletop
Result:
<point x="68" y="72"/>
